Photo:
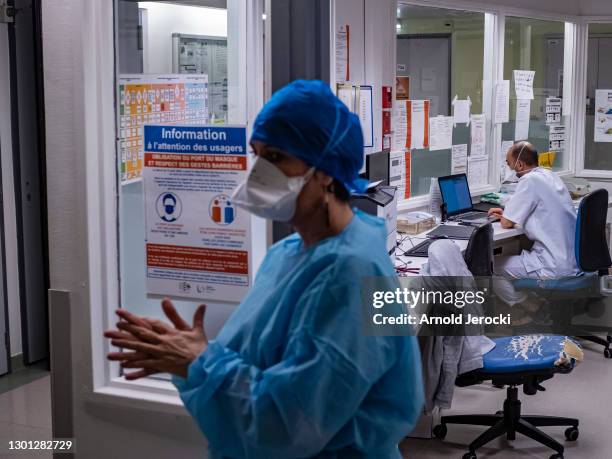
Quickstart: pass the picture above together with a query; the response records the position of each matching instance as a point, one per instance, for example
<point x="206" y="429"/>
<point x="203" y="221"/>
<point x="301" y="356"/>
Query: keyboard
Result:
<point x="419" y="250"/>
<point x="472" y="216"/>
<point x="451" y="232"/>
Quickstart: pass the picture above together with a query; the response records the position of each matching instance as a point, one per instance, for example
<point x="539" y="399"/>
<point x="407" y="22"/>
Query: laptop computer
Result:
<point x="456" y="195"/>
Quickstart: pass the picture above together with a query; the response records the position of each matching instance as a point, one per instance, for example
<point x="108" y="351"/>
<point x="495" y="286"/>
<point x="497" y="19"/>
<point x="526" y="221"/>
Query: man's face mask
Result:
<point x="268" y="192"/>
<point x="511" y="175"/>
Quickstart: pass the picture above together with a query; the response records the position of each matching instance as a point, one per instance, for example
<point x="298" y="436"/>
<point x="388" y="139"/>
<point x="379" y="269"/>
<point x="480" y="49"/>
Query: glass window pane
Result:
<point x="442" y="51"/>
<point x="164" y="49"/>
<point x="536" y="45"/>
<point x="598" y="155"/>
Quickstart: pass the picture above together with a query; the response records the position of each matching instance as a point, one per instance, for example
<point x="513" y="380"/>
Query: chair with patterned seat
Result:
<point x="519" y="361"/>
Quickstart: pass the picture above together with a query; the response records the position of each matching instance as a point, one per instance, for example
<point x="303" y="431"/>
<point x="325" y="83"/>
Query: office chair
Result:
<point x="592" y="251"/>
<point x="478" y="255"/>
<point x="593" y="258"/>
<point x="515" y="361"/>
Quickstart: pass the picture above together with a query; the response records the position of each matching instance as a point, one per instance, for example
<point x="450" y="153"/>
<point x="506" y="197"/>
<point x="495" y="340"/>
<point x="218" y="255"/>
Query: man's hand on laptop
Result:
<point x="496" y="212"/>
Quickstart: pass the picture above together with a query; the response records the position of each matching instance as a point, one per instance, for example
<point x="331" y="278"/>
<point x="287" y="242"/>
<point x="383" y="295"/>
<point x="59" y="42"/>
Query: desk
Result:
<point x="500" y="235"/>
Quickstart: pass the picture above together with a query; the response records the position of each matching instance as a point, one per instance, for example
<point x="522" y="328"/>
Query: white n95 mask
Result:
<point x="268" y="192"/>
<point x="510" y="175"/>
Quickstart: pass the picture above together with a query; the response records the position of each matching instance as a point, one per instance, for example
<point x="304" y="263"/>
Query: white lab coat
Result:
<point x="446" y="357"/>
<point x="543" y="207"/>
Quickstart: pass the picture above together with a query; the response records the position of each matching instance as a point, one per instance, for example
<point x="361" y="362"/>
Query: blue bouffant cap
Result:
<point x="306" y="120"/>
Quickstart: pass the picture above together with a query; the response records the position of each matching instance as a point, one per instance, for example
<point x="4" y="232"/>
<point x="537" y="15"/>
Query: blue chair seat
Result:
<point x="584" y="281"/>
<point x="523" y="353"/>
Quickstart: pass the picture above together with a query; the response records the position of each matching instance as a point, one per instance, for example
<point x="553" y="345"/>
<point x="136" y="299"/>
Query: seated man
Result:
<point x="542" y="206"/>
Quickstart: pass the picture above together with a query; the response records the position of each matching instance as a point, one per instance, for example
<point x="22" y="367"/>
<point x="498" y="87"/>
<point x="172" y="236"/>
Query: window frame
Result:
<point x="493" y="71"/>
<point x="582" y="43"/>
<point x="103" y="196"/>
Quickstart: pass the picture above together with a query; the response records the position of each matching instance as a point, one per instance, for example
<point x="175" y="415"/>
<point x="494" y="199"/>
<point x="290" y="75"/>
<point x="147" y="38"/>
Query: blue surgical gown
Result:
<point x="293" y="375"/>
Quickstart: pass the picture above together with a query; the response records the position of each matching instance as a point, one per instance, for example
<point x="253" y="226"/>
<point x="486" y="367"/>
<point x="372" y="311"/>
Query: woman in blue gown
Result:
<point x="292" y="373"/>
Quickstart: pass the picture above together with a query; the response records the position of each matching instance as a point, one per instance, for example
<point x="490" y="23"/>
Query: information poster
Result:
<point x="155" y="99"/>
<point x="402" y="87"/>
<point x="366" y="117"/>
<point x="478" y="171"/>
<point x="440" y="133"/>
<point x="523" y="114"/>
<point x="556" y="138"/>
<point x="553" y="110"/>
<point x="386" y="113"/>
<point x="478" y="135"/>
<point x="523" y="84"/>
<point x="349" y="95"/>
<point x="343" y="41"/>
<point x="411" y="124"/>
<point x="197" y="241"/>
<point x="459" y="159"/>
<point x="502" y="102"/>
<point x="399" y="172"/>
<point x="603" y="115"/>
<point x="461" y="110"/>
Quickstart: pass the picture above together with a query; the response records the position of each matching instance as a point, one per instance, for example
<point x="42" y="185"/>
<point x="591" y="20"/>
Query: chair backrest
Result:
<point x="479" y="252"/>
<point x="591" y="247"/>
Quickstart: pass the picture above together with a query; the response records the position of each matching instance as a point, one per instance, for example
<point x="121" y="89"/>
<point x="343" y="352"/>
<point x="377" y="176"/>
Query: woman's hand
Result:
<point x="158" y="347"/>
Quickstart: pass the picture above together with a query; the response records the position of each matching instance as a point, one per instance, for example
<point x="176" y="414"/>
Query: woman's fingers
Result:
<point x="150" y="364"/>
<point x="116" y="334"/>
<point x="131" y="318"/>
<point x="174" y="316"/>
<point x="198" y="317"/>
<point x="141" y="333"/>
<point x="158" y="326"/>
<point x="137" y="346"/>
<point x="140" y="374"/>
<point x="126" y="356"/>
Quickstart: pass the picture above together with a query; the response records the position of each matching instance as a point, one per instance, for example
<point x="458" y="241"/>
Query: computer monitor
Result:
<point x="377" y="167"/>
<point x="455" y="194"/>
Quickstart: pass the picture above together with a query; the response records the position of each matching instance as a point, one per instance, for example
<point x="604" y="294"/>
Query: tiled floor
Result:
<point x="25" y="413"/>
<point x="584" y="394"/>
<point x="25" y="410"/>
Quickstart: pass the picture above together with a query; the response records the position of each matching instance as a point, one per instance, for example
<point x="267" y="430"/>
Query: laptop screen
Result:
<point x="455" y="193"/>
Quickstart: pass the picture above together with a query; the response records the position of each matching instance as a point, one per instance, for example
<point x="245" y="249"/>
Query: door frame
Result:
<point x="4" y="311"/>
<point x="29" y="184"/>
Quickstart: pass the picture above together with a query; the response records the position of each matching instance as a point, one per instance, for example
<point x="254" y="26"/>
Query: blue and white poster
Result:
<point x="197" y="241"/>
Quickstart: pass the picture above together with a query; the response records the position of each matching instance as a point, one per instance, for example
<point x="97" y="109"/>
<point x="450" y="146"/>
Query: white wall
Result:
<point x="164" y="19"/>
<point x="372" y="49"/>
<point x="8" y="191"/>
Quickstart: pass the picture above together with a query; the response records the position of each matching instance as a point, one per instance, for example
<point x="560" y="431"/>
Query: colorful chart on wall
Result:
<point x="155" y="99"/>
<point x="197" y="240"/>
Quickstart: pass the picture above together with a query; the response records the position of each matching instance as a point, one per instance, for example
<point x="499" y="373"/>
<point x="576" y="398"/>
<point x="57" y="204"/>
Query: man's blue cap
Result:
<point x="306" y="120"/>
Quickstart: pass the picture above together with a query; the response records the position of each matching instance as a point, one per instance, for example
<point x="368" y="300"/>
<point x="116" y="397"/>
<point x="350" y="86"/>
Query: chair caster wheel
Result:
<point x="556" y="456"/>
<point x="440" y="431"/>
<point x="571" y="433"/>
<point x="607" y="353"/>
<point x="469" y="455"/>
